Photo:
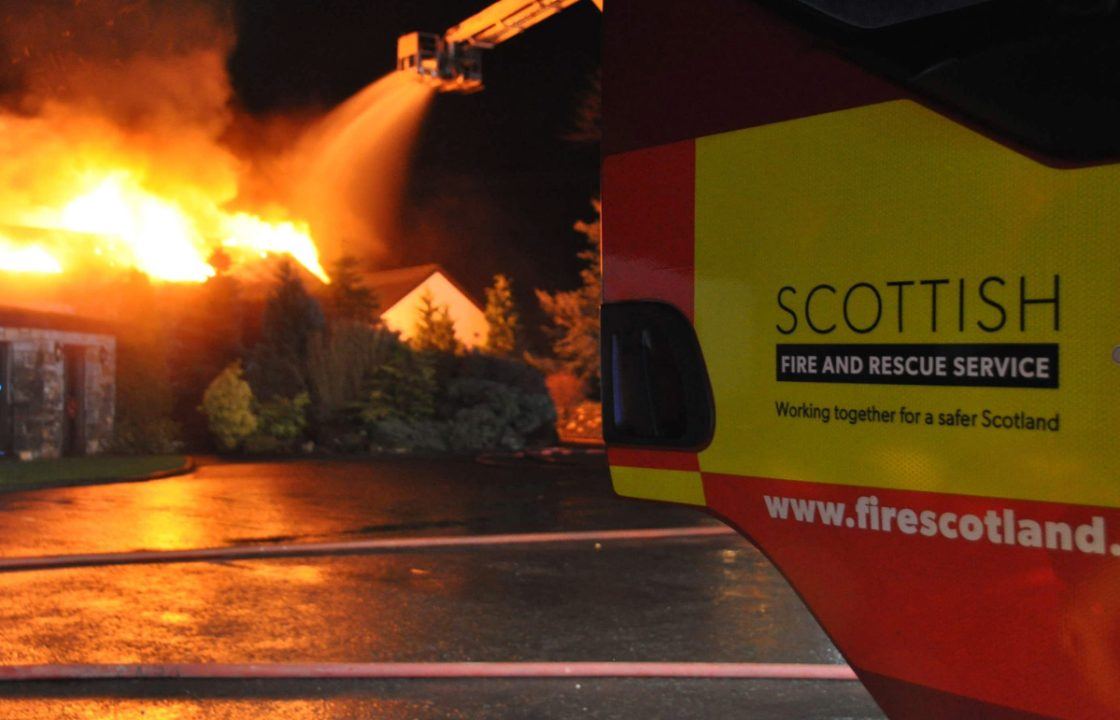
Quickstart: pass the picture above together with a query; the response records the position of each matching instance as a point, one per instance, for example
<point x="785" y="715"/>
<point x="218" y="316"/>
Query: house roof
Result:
<point x="392" y="285"/>
<point x="25" y="317"/>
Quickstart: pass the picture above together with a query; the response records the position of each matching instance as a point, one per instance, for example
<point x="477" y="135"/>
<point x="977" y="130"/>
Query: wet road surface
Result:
<point x="239" y="503"/>
<point x="468" y="700"/>
<point x="710" y="599"/>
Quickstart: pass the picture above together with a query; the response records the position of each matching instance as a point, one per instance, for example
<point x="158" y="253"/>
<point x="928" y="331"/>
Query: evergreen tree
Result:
<point x="575" y="313"/>
<point x="348" y="298"/>
<point x="209" y="335"/>
<point x="279" y="366"/>
<point x="403" y="386"/>
<point x="145" y="399"/>
<point x="501" y="317"/>
<point x="589" y="113"/>
<point x="435" y="330"/>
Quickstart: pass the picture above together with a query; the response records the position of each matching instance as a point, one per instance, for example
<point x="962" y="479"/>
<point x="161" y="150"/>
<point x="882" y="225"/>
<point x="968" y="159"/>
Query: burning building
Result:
<point x="57" y="384"/>
<point x="121" y="147"/>
<point x="124" y="153"/>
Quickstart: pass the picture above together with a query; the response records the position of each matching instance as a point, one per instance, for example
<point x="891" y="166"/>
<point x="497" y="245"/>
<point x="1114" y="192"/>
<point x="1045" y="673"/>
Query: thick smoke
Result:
<point x="138" y="91"/>
<point x="139" y="85"/>
<point x="143" y="64"/>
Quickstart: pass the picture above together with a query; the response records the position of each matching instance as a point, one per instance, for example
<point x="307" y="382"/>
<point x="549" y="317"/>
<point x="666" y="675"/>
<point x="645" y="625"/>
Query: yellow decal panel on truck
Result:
<point x="888" y="299"/>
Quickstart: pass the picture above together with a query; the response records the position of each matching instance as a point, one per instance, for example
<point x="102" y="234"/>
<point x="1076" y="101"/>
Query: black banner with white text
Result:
<point x="955" y="364"/>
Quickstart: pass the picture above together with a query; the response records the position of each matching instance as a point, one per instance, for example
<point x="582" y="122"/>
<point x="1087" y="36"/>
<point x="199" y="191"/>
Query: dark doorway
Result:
<point x="7" y="425"/>
<point x="74" y="391"/>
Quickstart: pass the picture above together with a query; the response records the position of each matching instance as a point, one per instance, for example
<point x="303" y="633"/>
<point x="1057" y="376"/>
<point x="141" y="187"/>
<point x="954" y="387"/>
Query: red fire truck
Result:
<point x="862" y="301"/>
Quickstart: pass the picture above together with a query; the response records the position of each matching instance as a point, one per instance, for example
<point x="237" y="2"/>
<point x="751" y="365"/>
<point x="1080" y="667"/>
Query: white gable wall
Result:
<point x="470" y="322"/>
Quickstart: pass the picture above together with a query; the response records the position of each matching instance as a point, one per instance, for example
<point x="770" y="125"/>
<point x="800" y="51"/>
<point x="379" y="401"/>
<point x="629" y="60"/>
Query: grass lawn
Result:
<point x="83" y="470"/>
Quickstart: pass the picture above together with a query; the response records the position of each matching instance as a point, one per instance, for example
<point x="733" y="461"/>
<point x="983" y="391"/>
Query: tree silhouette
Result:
<point x="575" y="313"/>
<point x="501" y="317"/>
<point x="278" y="365"/>
<point x="435" y="330"/>
<point x="347" y="297"/>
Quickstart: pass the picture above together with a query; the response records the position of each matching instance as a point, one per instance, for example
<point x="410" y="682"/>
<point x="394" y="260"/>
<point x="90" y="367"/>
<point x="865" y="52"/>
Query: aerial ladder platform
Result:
<point x="452" y="62"/>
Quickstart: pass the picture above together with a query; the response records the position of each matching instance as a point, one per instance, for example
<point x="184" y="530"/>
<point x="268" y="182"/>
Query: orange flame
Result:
<point x="249" y="233"/>
<point x="27" y="258"/>
<point x="139" y="229"/>
<point x="123" y="147"/>
<point x="132" y="227"/>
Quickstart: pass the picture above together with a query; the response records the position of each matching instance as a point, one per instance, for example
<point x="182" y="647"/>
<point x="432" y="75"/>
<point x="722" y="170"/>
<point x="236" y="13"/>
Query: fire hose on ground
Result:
<point x="394" y="670"/>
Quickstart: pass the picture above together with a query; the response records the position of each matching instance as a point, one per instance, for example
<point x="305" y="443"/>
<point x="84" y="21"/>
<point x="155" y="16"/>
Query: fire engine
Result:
<point x="798" y="194"/>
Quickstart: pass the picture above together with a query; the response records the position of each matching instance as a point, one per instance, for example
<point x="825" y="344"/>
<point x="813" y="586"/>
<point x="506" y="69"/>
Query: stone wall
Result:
<point x="38" y="405"/>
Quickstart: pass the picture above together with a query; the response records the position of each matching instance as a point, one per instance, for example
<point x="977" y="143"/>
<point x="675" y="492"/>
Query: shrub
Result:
<point x="228" y="407"/>
<point x="399" y="409"/>
<point x="283" y="419"/>
<point x="157" y="436"/>
<point x="507" y="371"/>
<point x="429" y="401"/>
<point x="485" y="415"/>
<point x="396" y="433"/>
<point x="341" y="364"/>
<point x="481" y="414"/>
<point x="261" y="444"/>
<point x="404" y="387"/>
<point x="566" y="391"/>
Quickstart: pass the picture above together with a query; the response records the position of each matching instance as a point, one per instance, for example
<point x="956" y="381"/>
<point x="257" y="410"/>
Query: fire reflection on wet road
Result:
<point x="674" y="601"/>
<point x="710" y="599"/>
<point x="492" y="700"/>
<point x="223" y="504"/>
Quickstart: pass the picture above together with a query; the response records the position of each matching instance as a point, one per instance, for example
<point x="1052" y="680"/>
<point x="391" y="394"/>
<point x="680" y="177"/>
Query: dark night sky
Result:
<point x="495" y="186"/>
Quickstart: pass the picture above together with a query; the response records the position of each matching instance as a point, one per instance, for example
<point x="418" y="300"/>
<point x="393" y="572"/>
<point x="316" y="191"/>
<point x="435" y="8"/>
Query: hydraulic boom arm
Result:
<point x="503" y="20"/>
<point x="453" y="62"/>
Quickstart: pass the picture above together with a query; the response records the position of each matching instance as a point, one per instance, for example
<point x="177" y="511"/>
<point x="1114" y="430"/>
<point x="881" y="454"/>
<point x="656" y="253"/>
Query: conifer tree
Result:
<point x="278" y="364"/>
<point x="435" y="330"/>
<point x="575" y="313"/>
<point x="348" y="298"/>
<point x="501" y="317"/>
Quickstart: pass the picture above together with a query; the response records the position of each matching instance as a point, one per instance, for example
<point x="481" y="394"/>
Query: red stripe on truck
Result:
<point x="649" y="211"/>
<point x="1011" y="603"/>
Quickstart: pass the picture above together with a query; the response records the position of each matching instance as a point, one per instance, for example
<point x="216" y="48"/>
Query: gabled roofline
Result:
<point x="433" y="268"/>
